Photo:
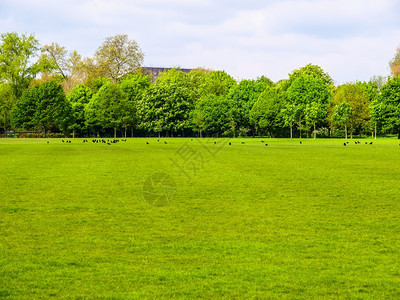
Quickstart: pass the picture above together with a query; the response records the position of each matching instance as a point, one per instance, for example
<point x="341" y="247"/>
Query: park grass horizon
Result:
<point x="246" y="220"/>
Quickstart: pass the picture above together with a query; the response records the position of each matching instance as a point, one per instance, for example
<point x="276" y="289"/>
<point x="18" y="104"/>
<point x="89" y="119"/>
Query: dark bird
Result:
<point x="262" y="141"/>
<point x="370" y="143"/>
<point x="215" y="143"/>
<point x="158" y="140"/>
<point x="344" y="144"/>
<point x="230" y="144"/>
<point x="63" y="141"/>
<point x="108" y="144"/>
<point x="47" y="142"/>
<point x="147" y="143"/>
<point x="347" y="142"/>
<point x="266" y="144"/>
<point x="192" y="140"/>
<point x="165" y="142"/>
<point x="242" y="143"/>
<point x="366" y="143"/>
<point x="300" y="142"/>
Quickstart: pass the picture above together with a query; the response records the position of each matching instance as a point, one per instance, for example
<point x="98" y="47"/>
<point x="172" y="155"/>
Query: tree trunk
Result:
<point x="115" y="132"/>
<point x="201" y="135"/>
<point x="131" y="131"/>
<point x="315" y="132"/>
<point x="345" y="131"/>
<point x="159" y="135"/>
<point x="125" y="132"/>
<point x="73" y="134"/>
<point x="291" y="131"/>
<point x="375" y="130"/>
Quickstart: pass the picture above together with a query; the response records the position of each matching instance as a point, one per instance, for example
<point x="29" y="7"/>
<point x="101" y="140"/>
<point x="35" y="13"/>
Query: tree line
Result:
<point x="50" y="90"/>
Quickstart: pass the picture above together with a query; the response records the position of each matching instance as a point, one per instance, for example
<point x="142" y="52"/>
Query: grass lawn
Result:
<point x="194" y="219"/>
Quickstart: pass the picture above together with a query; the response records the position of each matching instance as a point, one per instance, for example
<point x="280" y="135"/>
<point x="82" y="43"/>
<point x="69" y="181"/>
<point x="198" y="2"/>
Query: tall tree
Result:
<point x="266" y="113"/>
<point x="18" y="63"/>
<point x="341" y="115"/>
<point x="166" y="107"/>
<point x="7" y="101"/>
<point x="386" y="108"/>
<point x="243" y="96"/>
<point x="118" y="56"/>
<point x="215" y="114"/>
<point x="79" y="97"/>
<point x="358" y="97"/>
<point x="43" y="107"/>
<point x="309" y="95"/>
<point x="111" y="105"/>
<point x="134" y="87"/>
<point x="67" y="65"/>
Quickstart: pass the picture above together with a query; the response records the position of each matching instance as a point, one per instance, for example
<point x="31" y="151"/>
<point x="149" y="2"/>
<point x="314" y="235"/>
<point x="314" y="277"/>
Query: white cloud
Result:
<point x="350" y="39"/>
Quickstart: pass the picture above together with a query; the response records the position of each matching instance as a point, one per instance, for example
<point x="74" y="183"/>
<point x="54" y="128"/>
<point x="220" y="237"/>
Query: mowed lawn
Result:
<point x="194" y="219"/>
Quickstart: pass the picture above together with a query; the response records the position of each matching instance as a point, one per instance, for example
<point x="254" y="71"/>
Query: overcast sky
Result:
<point x="350" y="39"/>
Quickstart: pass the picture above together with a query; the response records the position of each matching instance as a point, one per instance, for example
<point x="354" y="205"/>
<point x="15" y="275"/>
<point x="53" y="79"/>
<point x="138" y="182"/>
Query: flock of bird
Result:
<point x="357" y="142"/>
<point x="115" y="141"/>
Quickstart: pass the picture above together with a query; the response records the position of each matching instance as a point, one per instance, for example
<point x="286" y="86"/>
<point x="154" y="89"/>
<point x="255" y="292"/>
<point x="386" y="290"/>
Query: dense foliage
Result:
<point x="108" y="94"/>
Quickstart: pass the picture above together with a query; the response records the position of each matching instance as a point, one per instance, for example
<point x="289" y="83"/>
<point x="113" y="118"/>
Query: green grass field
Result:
<point x="194" y="219"/>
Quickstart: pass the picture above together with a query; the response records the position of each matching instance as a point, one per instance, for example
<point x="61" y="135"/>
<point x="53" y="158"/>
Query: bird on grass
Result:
<point x="230" y="143"/>
<point x="262" y="141"/>
<point x="242" y="143"/>
<point x="266" y="144"/>
<point x="147" y="143"/>
<point x="301" y="143"/>
<point x="165" y="142"/>
<point x="370" y="143"/>
<point x="344" y="144"/>
<point x="62" y="141"/>
<point x="215" y="143"/>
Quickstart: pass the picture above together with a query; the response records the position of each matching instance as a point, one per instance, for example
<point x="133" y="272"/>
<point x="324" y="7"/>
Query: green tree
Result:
<point x="110" y="106"/>
<point x="310" y="70"/>
<point x="341" y="115"/>
<point x="266" y="113"/>
<point x="199" y="122"/>
<point x="217" y="83"/>
<point x="386" y="108"/>
<point x="18" y="64"/>
<point x="43" y="107"/>
<point x="79" y="97"/>
<point x="7" y="101"/>
<point x="134" y="87"/>
<point x="309" y="96"/>
<point x="243" y="96"/>
<point x="358" y="97"/>
<point x="118" y="56"/>
<point x="215" y="113"/>
<point x="166" y="106"/>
